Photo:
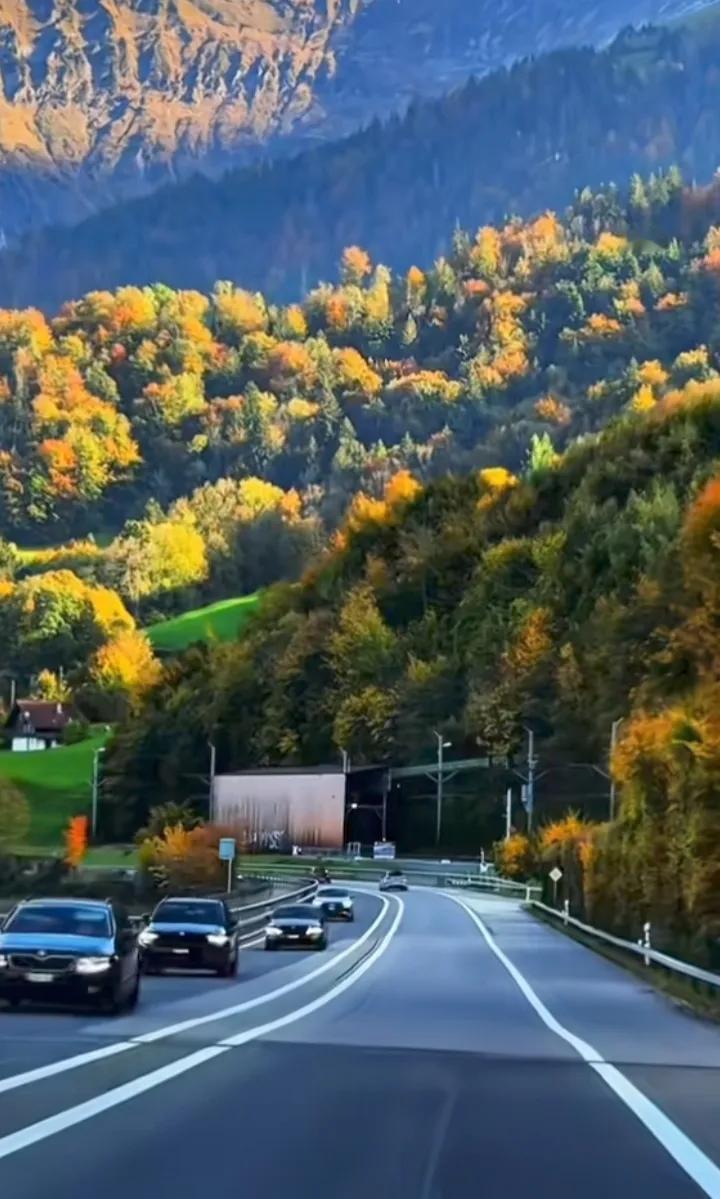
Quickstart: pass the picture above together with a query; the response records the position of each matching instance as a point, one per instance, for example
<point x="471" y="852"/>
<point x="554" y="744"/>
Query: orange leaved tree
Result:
<point x="76" y="841"/>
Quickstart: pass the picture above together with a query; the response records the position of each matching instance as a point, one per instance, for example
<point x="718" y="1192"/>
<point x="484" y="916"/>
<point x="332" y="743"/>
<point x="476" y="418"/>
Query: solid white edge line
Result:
<point x="59" y="1067"/>
<point x="171" y="1030"/>
<point x="33" y="1133"/>
<point x="696" y="1164"/>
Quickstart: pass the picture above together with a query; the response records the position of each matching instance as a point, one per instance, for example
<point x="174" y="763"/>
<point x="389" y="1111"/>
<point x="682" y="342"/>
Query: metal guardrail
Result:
<point x="264" y="907"/>
<point x="373" y="871"/>
<point x="642" y="948"/>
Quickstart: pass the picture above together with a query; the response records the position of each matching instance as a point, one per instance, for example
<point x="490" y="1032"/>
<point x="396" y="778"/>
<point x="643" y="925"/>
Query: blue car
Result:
<point x="78" y="951"/>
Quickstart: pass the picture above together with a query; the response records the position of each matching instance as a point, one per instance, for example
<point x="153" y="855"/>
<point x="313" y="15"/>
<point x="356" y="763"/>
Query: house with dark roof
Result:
<point x="37" y="724"/>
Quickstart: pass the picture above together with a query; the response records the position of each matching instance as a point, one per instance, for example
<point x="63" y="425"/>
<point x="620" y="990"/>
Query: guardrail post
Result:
<point x="646" y="940"/>
<point x="527" y="893"/>
<point x="566" y="910"/>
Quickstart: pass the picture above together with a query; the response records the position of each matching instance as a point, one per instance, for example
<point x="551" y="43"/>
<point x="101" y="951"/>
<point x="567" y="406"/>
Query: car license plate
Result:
<point x="181" y="950"/>
<point x="39" y="978"/>
<point x="293" y="936"/>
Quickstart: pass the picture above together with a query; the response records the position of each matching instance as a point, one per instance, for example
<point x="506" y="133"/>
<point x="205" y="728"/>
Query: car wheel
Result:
<point x="132" y="1000"/>
<point x="230" y="967"/>
<point x="270" y="945"/>
<point x="149" y="968"/>
<point x="111" y="1002"/>
<point x="351" y="918"/>
<point x="13" y="1001"/>
<point x="322" y="944"/>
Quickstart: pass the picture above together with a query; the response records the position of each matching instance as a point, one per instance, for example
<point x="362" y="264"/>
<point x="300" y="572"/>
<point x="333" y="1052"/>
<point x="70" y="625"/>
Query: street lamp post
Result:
<point x="613" y="742"/>
<point x="531" y="764"/>
<point x="95" y="790"/>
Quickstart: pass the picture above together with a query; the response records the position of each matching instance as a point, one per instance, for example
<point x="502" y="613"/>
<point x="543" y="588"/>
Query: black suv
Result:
<point x="190" y="934"/>
<point x="72" y="950"/>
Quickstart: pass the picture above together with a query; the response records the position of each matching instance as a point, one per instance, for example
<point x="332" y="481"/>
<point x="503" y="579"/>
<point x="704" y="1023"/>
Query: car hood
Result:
<point x="162" y="926"/>
<point x="56" y="943"/>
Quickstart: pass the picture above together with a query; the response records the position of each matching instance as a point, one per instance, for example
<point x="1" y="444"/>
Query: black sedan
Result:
<point x="190" y="934"/>
<point x="298" y="925"/>
<point x="69" y="950"/>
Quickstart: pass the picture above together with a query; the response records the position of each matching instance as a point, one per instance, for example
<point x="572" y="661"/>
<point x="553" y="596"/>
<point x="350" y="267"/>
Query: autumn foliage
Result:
<point x="76" y="841"/>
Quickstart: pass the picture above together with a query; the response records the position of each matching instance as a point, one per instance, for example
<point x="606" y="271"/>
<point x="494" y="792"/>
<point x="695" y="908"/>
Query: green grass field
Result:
<point x="57" y="784"/>
<point x="221" y="621"/>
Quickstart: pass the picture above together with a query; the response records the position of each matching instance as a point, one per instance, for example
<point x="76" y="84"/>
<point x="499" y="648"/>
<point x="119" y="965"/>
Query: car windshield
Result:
<point x="299" y="911"/>
<point x="189" y="912"/>
<point x="332" y="893"/>
<point x="62" y="920"/>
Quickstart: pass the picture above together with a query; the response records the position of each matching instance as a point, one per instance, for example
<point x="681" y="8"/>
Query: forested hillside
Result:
<point x="198" y="448"/>
<point x="585" y="589"/>
<point x="100" y="101"/>
<point x="517" y="141"/>
<point x="533" y="328"/>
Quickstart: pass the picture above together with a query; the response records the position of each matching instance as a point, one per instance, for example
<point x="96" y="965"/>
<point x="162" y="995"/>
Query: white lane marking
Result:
<point x="33" y="1133"/>
<point x="92" y="1107"/>
<point x="82" y="1059"/>
<point x="685" y="1152"/>
<point x="68" y="1063"/>
<point x="242" y="1037"/>
<point x="197" y="1021"/>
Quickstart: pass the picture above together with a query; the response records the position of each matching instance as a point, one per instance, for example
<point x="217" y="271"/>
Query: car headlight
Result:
<point x="314" y="931"/>
<point x="92" y="965"/>
<point x="4" y="961"/>
<point x="347" y="903"/>
<point x="218" y="938"/>
<point x="273" y="931"/>
<point x="146" y="937"/>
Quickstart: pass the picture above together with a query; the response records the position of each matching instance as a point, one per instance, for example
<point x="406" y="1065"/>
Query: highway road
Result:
<point x="443" y="1047"/>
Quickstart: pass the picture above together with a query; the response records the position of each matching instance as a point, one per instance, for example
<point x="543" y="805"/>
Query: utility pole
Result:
<point x="345" y="761"/>
<point x="95" y="790"/>
<point x="211" y="790"/>
<point x="531" y="764"/>
<point x="508" y="813"/>
<point x="385" y="789"/>
<point x="441" y="745"/>
<point x="613" y="742"/>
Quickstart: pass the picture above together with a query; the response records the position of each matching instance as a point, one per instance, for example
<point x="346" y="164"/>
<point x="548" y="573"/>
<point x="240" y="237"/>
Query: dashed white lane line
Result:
<point x="33" y="1133"/>
<point x="696" y="1164"/>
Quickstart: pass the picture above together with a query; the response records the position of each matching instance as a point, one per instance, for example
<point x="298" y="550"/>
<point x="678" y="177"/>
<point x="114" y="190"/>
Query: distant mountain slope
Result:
<point x="518" y="141"/>
<point x="104" y="99"/>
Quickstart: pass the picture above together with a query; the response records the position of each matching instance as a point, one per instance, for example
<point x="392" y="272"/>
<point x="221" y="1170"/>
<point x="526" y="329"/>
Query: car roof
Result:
<point x="64" y="901"/>
<point x="190" y="899"/>
<point x="307" y="907"/>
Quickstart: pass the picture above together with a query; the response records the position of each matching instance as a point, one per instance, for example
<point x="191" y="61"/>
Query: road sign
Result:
<point x="384" y="850"/>
<point x="226" y="849"/>
<point x="556" y="874"/>
<point x="226" y="853"/>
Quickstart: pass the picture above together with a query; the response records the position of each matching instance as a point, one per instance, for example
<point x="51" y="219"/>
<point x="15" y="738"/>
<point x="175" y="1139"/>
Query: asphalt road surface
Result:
<point x="436" y="1051"/>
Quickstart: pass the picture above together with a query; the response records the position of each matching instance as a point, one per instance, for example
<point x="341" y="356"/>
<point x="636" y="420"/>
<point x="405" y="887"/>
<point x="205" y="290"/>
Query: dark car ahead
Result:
<point x="190" y="934"/>
<point x="297" y="925"/>
<point x="69" y="950"/>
